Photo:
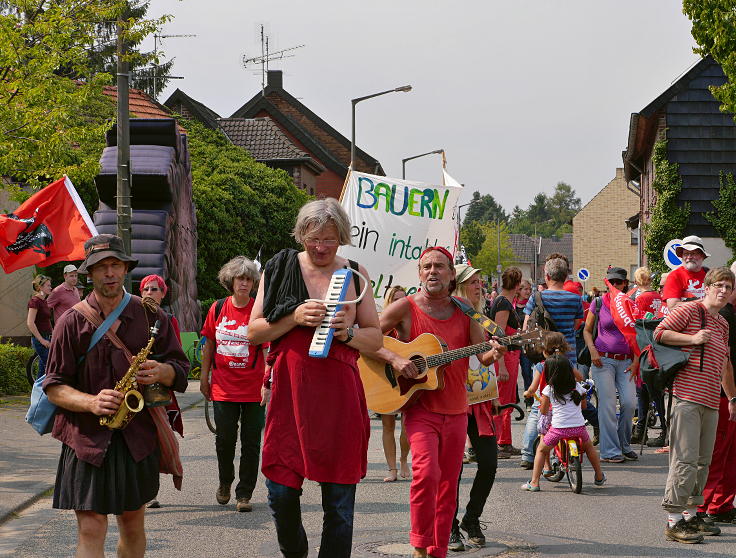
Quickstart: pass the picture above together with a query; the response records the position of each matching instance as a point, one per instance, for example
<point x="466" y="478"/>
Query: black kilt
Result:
<point x="119" y="485"/>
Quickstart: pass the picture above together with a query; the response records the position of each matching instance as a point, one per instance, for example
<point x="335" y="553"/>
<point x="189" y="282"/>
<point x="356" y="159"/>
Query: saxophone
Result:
<point x="132" y="398"/>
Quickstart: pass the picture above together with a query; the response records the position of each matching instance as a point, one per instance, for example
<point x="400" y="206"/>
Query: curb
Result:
<point x="36" y="497"/>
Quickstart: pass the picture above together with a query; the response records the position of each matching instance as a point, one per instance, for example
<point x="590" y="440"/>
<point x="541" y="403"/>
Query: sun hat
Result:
<point x="691" y="243"/>
<point x="463" y="272"/>
<point x="104" y="246"/>
<point x="69" y="268"/>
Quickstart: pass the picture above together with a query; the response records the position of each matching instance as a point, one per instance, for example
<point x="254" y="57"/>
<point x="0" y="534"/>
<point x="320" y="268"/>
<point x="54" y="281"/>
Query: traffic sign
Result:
<point x="583" y="274"/>
<point x="669" y="254"/>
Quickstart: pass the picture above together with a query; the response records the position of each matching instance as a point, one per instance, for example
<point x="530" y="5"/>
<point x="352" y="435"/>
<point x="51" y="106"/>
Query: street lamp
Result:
<point x="403" y="161"/>
<point x="403" y="88"/>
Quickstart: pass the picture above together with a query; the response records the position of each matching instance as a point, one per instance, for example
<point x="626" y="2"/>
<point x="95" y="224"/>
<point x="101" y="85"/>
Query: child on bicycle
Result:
<point x="566" y="397"/>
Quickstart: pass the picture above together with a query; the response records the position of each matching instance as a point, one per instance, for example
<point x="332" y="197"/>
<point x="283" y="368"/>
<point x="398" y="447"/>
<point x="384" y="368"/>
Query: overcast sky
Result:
<point x="521" y="94"/>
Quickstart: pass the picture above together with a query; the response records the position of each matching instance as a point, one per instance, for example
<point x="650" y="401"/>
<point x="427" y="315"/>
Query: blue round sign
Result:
<point x="670" y="256"/>
<point x="583" y="274"/>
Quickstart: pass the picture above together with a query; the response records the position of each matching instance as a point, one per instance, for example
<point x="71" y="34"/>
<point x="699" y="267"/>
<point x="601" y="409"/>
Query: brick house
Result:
<point x="600" y="236"/>
<point x="700" y="139"/>
<point x="530" y="253"/>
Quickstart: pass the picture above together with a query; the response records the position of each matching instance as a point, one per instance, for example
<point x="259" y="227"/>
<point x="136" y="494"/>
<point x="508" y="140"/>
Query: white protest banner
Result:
<point x="393" y="221"/>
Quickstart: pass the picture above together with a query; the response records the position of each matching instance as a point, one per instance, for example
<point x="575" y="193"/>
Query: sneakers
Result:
<point x="456" y="540"/>
<point x="703" y="526"/>
<point x="154" y="504"/>
<point x="502" y="454"/>
<point x="524" y="464"/>
<point x="614" y="459"/>
<point x="529" y="487"/>
<point x="723" y="517"/>
<point x="508" y="448"/>
<point x="630" y="456"/>
<point x="244" y="505"/>
<point x="657" y="442"/>
<point x="474" y="531"/>
<point x="600" y="482"/>
<point x="223" y="494"/>
<point x="683" y="533"/>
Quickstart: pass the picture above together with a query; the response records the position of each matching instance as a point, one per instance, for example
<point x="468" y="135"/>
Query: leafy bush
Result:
<point x="13" y="360"/>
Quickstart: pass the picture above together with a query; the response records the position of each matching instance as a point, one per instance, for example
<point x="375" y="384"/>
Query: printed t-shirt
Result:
<point x="455" y="332"/>
<point x="567" y="414"/>
<point x="690" y="383"/>
<point x="43" y="314"/>
<point x="649" y="301"/>
<point x="682" y="284"/>
<point x="564" y="307"/>
<point x="237" y="371"/>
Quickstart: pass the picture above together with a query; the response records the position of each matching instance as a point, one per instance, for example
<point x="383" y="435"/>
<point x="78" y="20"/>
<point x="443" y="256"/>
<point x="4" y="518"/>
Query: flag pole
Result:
<point x="123" y="141"/>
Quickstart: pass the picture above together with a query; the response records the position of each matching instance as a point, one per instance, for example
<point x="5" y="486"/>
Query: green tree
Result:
<point x="243" y="206"/>
<point x="53" y="115"/>
<point x="724" y="216"/>
<point x="714" y="29"/>
<point x="668" y="219"/>
<point x="487" y="257"/>
<point x="472" y="236"/>
<point x="484" y="209"/>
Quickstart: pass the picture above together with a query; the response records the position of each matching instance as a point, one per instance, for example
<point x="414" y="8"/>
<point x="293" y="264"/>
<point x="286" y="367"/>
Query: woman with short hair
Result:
<point x="237" y="369"/>
<point x="39" y="320"/>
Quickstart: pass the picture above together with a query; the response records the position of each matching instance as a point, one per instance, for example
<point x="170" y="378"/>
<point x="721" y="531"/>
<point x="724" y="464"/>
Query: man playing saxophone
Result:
<point x="108" y="470"/>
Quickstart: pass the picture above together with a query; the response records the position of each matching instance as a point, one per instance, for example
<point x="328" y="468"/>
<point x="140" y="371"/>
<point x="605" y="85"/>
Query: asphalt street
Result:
<point x="623" y="518"/>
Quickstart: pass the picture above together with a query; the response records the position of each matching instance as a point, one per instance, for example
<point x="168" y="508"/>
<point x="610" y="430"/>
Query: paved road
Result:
<point x="622" y="519"/>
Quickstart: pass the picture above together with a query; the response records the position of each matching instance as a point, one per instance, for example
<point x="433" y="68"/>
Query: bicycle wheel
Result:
<point x="209" y="420"/>
<point x="575" y="474"/>
<point x="32" y="368"/>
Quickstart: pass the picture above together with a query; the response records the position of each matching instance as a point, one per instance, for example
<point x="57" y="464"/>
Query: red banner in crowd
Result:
<point x="625" y="312"/>
<point x="49" y="227"/>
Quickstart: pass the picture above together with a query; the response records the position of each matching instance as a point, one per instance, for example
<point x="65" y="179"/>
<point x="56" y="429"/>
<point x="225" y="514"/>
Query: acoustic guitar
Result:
<point x="387" y="392"/>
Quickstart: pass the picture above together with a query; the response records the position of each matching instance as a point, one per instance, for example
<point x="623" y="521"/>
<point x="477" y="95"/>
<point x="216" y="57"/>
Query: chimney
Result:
<point x="275" y="79"/>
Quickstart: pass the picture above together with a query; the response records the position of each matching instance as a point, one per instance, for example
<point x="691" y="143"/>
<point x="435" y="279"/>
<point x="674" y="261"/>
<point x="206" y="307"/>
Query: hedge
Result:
<point x="13" y="360"/>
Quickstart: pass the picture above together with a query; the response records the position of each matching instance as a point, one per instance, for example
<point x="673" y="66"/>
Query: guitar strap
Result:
<point x="485" y="322"/>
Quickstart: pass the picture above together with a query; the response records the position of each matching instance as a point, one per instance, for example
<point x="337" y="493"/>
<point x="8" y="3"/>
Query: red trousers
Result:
<point x="720" y="489"/>
<point x="506" y="394"/>
<point x="437" y="442"/>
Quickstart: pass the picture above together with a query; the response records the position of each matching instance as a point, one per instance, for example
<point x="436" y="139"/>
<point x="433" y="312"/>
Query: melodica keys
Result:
<point x="336" y="292"/>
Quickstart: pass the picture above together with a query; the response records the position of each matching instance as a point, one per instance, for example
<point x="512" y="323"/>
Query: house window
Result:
<point x="634" y="237"/>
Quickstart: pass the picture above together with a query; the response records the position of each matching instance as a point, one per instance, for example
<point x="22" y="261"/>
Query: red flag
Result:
<point x="625" y="312"/>
<point x="49" y="227"/>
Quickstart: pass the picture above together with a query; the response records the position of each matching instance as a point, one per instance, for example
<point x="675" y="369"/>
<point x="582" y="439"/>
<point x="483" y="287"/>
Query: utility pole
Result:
<point x="122" y="199"/>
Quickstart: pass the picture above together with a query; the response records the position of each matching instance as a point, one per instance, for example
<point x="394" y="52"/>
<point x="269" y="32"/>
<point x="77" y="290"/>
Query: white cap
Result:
<point x="69" y="268"/>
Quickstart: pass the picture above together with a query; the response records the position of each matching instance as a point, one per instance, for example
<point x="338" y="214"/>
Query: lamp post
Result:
<point x="403" y="161"/>
<point x="403" y="88"/>
<point x="460" y="217"/>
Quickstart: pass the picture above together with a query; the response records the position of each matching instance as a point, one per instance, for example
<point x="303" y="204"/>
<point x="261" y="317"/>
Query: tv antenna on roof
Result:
<point x="267" y="57"/>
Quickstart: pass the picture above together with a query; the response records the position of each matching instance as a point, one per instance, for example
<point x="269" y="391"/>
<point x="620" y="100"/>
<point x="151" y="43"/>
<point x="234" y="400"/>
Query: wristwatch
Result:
<point x="350" y="334"/>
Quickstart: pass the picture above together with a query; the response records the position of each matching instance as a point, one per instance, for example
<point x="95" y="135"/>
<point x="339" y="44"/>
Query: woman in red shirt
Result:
<point x="235" y="388"/>
<point x="39" y="320"/>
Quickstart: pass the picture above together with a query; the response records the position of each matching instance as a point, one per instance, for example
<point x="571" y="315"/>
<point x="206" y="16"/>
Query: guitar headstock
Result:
<point x="531" y="337"/>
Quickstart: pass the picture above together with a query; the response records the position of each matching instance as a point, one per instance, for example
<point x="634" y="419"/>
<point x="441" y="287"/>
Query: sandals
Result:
<point x="547" y="473"/>
<point x="529" y="487"/>
<point x="614" y="459"/>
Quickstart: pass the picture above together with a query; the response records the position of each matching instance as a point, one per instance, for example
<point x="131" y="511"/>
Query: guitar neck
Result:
<point x="449" y="356"/>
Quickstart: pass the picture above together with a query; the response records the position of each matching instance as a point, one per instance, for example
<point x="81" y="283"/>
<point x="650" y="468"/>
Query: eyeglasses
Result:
<point x="722" y="286"/>
<point x="328" y="243"/>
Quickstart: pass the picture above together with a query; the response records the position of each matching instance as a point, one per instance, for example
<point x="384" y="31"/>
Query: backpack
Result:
<point x="660" y="363"/>
<point x="539" y="318"/>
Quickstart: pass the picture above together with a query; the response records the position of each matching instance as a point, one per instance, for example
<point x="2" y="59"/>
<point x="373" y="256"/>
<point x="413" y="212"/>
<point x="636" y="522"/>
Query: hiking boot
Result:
<point x="244" y="505"/>
<point x="657" y="442"/>
<point x="473" y="529"/>
<point x="524" y="464"/>
<point x="456" y="540"/>
<point x="723" y="517"/>
<point x="501" y="454"/>
<point x="683" y="533"/>
<point x="508" y="448"/>
<point x="223" y="494"/>
<point x="703" y="526"/>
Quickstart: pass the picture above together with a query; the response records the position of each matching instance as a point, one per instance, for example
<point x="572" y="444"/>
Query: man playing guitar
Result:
<point x="437" y="423"/>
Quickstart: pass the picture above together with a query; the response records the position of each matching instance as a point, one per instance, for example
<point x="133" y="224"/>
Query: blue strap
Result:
<point x="111" y="317"/>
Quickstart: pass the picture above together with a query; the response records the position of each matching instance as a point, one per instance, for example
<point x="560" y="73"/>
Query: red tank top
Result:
<point x="455" y="332"/>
